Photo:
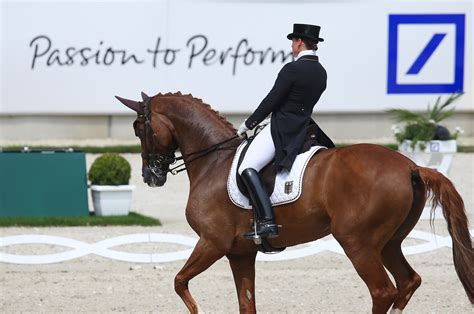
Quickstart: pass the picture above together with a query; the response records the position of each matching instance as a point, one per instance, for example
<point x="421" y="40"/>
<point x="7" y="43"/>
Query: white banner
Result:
<point x="71" y="57"/>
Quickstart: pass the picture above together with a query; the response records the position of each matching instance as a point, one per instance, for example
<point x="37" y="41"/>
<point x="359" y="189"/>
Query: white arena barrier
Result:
<point x="431" y="242"/>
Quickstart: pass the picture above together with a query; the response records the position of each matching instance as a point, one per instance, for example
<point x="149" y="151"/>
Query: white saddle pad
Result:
<point x="287" y="183"/>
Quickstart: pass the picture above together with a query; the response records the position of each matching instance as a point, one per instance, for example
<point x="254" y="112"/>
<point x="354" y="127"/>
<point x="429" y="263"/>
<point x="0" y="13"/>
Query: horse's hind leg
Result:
<point x="204" y="255"/>
<point x="368" y="264"/>
<point x="406" y="278"/>
<point x="243" y="269"/>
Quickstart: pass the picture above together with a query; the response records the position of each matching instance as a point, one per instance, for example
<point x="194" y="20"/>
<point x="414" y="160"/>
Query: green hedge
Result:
<point x="132" y="219"/>
<point x="110" y="169"/>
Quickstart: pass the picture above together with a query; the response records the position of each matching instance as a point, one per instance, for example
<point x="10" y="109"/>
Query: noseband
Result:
<point x="159" y="164"/>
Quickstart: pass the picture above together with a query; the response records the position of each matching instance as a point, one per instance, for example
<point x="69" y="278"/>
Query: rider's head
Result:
<point x="304" y="37"/>
<point x="300" y="44"/>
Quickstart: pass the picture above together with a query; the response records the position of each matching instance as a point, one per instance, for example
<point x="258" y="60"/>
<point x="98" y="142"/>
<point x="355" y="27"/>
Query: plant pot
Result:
<point x="111" y="200"/>
<point x="436" y="154"/>
<point x="430" y="147"/>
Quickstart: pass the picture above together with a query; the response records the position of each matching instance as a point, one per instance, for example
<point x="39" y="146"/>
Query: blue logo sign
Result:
<point x="425" y="53"/>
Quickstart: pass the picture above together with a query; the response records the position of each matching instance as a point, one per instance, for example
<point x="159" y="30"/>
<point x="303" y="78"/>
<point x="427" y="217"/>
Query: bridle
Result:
<point x="161" y="162"/>
<point x="156" y="162"/>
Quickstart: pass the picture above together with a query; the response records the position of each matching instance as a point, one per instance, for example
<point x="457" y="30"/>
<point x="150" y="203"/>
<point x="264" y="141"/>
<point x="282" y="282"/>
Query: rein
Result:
<point x="200" y="154"/>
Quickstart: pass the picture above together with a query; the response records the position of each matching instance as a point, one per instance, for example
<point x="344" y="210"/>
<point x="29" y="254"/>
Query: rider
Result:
<point x="291" y="100"/>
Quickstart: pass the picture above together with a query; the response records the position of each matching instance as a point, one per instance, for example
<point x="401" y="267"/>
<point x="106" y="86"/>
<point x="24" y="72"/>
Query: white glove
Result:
<point x="265" y="122"/>
<point x="242" y="129"/>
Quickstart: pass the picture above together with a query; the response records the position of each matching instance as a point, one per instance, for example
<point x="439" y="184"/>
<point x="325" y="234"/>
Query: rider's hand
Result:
<point x="242" y="129"/>
<point x="265" y="122"/>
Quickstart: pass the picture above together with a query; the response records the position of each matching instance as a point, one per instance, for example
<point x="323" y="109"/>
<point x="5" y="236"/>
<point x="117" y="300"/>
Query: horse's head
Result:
<point x="155" y="132"/>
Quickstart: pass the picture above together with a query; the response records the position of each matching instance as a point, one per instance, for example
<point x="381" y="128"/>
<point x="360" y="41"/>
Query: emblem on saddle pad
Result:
<point x="288" y="187"/>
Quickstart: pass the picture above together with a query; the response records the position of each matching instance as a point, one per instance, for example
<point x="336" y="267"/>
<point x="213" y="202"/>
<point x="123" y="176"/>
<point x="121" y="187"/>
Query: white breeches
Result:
<point x="260" y="152"/>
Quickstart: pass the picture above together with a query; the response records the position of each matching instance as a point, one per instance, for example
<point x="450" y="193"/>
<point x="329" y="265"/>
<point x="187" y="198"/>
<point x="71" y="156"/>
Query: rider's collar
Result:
<point x="305" y="53"/>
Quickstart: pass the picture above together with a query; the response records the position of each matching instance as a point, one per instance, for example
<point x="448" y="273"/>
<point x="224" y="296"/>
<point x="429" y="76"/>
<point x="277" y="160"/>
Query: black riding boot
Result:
<point x="266" y="226"/>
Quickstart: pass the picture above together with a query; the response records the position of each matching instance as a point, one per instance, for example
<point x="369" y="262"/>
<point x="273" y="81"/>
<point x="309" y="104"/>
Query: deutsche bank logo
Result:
<point x="425" y="53"/>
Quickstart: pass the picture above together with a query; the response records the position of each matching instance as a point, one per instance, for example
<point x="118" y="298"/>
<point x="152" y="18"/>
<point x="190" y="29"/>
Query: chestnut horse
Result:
<point x="367" y="196"/>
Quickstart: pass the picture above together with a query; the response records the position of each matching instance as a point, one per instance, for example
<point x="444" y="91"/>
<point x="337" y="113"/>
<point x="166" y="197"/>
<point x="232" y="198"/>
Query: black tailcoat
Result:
<point x="291" y="101"/>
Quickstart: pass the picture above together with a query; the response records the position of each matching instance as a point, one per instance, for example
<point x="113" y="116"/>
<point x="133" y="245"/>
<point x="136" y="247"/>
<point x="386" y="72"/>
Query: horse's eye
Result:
<point x="139" y="132"/>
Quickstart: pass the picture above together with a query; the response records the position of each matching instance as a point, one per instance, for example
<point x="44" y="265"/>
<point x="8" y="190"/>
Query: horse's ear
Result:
<point x="144" y="96"/>
<point x="132" y="104"/>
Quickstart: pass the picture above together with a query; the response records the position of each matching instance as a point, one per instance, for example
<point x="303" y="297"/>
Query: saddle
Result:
<point x="267" y="173"/>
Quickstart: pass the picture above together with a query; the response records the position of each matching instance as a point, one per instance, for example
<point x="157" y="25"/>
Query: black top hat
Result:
<point x="305" y="31"/>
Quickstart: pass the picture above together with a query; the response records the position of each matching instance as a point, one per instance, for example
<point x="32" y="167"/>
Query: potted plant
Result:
<point x="109" y="176"/>
<point x="423" y="132"/>
<point x="425" y="140"/>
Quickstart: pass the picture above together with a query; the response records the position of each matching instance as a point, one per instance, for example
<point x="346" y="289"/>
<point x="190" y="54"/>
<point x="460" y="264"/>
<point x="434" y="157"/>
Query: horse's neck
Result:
<point x="198" y="128"/>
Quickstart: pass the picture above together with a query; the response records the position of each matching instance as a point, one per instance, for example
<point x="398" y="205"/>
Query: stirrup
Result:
<point x="256" y="233"/>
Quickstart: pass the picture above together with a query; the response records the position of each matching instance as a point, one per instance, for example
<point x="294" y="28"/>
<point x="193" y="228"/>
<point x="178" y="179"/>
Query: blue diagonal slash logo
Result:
<point x="438" y="67"/>
<point x="426" y="53"/>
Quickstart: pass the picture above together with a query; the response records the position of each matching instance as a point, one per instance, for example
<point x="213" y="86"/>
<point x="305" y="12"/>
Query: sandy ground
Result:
<point x="322" y="283"/>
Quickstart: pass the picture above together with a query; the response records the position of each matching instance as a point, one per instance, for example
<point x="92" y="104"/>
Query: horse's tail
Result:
<point x="444" y="193"/>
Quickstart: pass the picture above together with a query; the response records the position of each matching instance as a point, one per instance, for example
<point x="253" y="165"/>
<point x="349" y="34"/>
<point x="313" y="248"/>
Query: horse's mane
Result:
<point x="202" y="103"/>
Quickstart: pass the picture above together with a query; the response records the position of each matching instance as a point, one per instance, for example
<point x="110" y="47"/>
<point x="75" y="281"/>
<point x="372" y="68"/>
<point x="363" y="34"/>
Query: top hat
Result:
<point x="305" y="31"/>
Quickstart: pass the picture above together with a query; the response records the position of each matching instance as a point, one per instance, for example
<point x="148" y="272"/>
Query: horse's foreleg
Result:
<point x="406" y="278"/>
<point x="243" y="269"/>
<point x="203" y="256"/>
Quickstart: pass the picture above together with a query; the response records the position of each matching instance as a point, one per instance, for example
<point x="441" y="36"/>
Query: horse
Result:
<point x="367" y="196"/>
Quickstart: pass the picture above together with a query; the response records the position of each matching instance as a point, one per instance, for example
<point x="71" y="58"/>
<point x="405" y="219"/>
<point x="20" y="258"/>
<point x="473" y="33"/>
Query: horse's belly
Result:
<point x="300" y="224"/>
